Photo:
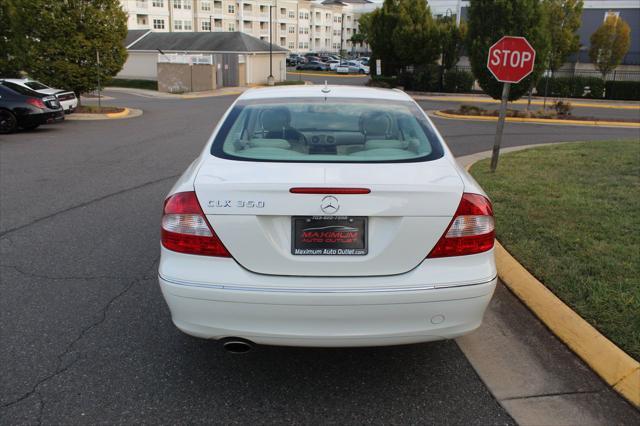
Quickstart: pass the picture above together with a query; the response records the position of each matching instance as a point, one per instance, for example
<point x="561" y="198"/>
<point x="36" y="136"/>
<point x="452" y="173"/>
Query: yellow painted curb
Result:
<point x="317" y="74"/>
<point x="120" y="114"/>
<point x="210" y="95"/>
<point x="473" y="99"/>
<point x="610" y="362"/>
<point x="627" y="125"/>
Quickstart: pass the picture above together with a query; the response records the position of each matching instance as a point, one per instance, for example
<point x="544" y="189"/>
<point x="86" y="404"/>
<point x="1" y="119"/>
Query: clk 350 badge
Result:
<point x="246" y="204"/>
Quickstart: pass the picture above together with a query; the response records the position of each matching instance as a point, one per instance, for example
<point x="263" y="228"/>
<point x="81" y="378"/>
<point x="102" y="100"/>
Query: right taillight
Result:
<point x="185" y="228"/>
<point x="36" y="103"/>
<point x="471" y="231"/>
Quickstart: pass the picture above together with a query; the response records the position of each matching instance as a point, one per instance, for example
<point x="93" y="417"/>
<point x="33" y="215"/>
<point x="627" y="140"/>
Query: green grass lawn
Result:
<point x="571" y="215"/>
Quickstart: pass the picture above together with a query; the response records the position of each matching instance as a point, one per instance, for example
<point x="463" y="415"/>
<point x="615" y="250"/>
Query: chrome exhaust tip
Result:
<point x="235" y="345"/>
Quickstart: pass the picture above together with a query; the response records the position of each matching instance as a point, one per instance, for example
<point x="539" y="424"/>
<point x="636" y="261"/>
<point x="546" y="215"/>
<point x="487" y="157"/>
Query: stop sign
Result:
<point x="511" y="59"/>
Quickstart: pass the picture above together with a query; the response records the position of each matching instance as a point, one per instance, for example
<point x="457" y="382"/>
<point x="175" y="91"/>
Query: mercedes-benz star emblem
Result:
<point x="330" y="204"/>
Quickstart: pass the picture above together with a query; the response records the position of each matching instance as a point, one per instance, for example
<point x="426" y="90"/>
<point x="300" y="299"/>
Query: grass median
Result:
<point x="571" y="215"/>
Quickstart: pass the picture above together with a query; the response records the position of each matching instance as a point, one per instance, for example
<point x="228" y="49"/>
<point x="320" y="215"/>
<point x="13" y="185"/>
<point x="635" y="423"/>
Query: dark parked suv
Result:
<point x="25" y="108"/>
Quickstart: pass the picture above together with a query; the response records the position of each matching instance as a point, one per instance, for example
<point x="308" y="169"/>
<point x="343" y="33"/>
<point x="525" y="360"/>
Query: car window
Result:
<point x="333" y="130"/>
<point x="20" y="89"/>
<point x="35" y="85"/>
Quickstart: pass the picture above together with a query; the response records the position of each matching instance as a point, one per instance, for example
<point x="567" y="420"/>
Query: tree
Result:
<point x="402" y="33"/>
<point x="609" y="43"/>
<point x="564" y="19"/>
<point x="451" y="39"/>
<point x="68" y="35"/>
<point x="489" y="20"/>
<point x="14" y="42"/>
<point x="364" y="29"/>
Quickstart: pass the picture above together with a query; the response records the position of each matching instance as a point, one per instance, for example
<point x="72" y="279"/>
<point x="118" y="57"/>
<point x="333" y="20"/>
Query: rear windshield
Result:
<point x="35" y="85"/>
<point x="327" y="130"/>
<point x="20" y="89"/>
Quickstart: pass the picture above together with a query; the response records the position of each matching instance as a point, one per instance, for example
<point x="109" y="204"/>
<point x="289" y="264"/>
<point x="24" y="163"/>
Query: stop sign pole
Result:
<point x="510" y="60"/>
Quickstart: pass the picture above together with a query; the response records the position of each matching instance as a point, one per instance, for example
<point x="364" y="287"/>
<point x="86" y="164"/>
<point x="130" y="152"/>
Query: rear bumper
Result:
<point x="327" y="319"/>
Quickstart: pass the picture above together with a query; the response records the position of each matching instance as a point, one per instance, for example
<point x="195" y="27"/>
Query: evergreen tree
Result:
<point x="490" y="20"/>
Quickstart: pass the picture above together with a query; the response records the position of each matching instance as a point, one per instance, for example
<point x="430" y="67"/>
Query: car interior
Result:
<point x="328" y="131"/>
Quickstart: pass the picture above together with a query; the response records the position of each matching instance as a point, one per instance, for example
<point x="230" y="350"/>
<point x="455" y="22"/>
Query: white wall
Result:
<point x="140" y="66"/>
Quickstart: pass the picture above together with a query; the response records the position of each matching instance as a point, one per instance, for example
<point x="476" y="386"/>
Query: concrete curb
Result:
<point x="126" y="113"/>
<point x="626" y="125"/>
<point x="607" y="360"/>
<point x="484" y="99"/>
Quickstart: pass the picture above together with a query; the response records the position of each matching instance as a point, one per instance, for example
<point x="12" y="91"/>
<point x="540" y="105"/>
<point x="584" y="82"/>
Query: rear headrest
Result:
<point x="275" y="119"/>
<point x="376" y="123"/>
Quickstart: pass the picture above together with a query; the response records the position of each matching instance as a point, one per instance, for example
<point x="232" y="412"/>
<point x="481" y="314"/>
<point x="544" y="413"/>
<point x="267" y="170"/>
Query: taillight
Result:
<point x="36" y="103"/>
<point x="471" y="231"/>
<point x="185" y="228"/>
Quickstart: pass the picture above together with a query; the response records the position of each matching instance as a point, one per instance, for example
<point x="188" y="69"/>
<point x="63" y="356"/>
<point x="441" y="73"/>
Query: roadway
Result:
<point x="87" y="337"/>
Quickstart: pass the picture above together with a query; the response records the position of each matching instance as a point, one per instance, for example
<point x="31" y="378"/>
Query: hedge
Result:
<point x="624" y="90"/>
<point x="458" y="82"/>
<point x="572" y="87"/>
<point x="133" y="84"/>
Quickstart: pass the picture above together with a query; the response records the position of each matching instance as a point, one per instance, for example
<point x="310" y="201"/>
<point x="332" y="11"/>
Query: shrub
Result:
<point x="422" y="79"/>
<point x="458" y="82"/>
<point x="382" y="81"/>
<point x="572" y="87"/>
<point x="134" y="84"/>
<point x="624" y="90"/>
<point x="563" y="109"/>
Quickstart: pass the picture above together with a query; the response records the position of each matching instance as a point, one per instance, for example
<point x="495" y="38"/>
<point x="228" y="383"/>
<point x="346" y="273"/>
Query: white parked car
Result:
<point x="351" y="67"/>
<point x="67" y="99"/>
<point x="326" y="216"/>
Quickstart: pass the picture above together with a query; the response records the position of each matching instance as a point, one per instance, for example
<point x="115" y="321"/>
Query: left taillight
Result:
<point x="185" y="228"/>
<point x="36" y="103"/>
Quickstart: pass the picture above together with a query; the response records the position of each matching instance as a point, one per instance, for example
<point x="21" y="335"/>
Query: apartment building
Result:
<point x="298" y="25"/>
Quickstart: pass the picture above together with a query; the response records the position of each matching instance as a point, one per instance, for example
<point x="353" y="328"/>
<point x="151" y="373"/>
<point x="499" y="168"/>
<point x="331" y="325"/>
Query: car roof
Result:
<point x="320" y="91"/>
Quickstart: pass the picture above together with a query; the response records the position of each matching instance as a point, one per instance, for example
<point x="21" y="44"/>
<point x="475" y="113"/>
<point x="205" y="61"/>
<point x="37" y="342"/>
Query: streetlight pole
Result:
<point x="270" y="79"/>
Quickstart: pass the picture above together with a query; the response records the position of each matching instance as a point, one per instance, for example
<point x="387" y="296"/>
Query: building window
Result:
<point x="300" y="45"/>
<point x="611" y="13"/>
<point x="205" y="6"/>
<point x="177" y="25"/>
<point x="283" y="11"/>
<point x="232" y="27"/>
<point x="158" y="24"/>
<point x="292" y="45"/>
<point x="292" y="29"/>
<point x="205" y="25"/>
<point x="301" y="15"/>
<point x="177" y="4"/>
<point x="231" y="8"/>
<point x="292" y="14"/>
<point x="186" y="4"/>
<point x="158" y="3"/>
<point x="187" y="25"/>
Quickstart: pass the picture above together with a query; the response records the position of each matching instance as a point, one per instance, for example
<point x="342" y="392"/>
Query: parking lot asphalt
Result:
<point x="87" y="338"/>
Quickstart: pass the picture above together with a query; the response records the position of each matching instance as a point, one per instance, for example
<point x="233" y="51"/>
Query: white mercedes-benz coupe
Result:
<point x="326" y="216"/>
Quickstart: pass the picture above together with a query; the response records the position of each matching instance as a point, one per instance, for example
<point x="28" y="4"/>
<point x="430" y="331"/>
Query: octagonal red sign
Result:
<point x="511" y="59"/>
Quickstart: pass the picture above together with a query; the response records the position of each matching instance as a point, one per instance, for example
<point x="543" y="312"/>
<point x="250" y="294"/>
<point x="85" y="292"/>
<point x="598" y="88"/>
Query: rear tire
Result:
<point x="8" y="122"/>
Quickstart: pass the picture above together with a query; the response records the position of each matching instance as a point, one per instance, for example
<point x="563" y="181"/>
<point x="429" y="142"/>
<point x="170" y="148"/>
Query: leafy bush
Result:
<point x="382" y="81"/>
<point x="563" y="109"/>
<point x="422" y="79"/>
<point x="572" y="87"/>
<point x="134" y="84"/>
<point x="458" y="82"/>
<point x="471" y="110"/>
<point x="624" y="90"/>
<point x="288" y="82"/>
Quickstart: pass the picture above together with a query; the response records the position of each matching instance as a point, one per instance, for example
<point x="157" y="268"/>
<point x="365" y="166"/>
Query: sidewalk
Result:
<point x="225" y="91"/>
